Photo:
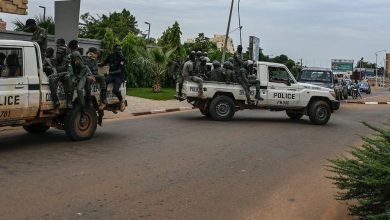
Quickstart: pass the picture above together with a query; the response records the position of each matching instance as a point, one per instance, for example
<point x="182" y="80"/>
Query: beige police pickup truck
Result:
<point x="25" y="98"/>
<point x="279" y="89"/>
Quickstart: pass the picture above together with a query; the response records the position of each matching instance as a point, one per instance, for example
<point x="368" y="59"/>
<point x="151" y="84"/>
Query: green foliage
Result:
<point x="47" y="24"/>
<point x="146" y="93"/>
<point x="108" y="43"/>
<point x="365" y="178"/>
<point x="201" y="43"/>
<point x="95" y="27"/>
<point x="365" y="64"/>
<point x="137" y="74"/>
<point x="171" y="39"/>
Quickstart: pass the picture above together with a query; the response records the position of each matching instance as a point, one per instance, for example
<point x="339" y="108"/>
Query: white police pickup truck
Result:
<point x="25" y="98"/>
<point x="279" y="89"/>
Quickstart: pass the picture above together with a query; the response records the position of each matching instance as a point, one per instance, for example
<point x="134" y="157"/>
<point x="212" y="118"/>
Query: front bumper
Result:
<point x="335" y="105"/>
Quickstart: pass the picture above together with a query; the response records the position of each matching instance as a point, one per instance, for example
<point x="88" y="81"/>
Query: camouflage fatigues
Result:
<point x="62" y="74"/>
<point x="79" y="76"/>
<point x="188" y="74"/>
<point x="93" y="72"/>
<point x="40" y="36"/>
<point x="217" y="75"/>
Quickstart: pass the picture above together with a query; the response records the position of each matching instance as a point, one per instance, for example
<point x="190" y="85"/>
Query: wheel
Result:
<point x="319" y="112"/>
<point x="294" y="115"/>
<point x="36" y="128"/>
<point x="205" y="112"/>
<point x="79" y="128"/>
<point x="222" y="108"/>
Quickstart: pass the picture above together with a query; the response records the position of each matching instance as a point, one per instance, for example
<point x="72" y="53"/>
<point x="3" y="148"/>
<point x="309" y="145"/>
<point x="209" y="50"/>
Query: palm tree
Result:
<point x="47" y="24"/>
<point x="157" y="61"/>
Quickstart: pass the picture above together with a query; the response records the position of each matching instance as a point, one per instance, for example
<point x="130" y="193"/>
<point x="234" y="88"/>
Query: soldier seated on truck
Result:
<point x="217" y="74"/>
<point x="189" y="74"/>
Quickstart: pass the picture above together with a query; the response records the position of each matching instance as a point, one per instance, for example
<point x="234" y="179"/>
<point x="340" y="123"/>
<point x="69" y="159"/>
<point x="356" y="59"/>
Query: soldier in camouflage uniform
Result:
<point x="39" y="35"/>
<point x="49" y="66"/>
<point x="229" y="72"/>
<point x="176" y="72"/>
<point x="217" y="74"/>
<point x="91" y="62"/>
<point x="62" y="74"/>
<point x="252" y="79"/>
<point x="241" y="73"/>
<point x="202" y="69"/>
<point x="79" y="71"/>
<point x="189" y="74"/>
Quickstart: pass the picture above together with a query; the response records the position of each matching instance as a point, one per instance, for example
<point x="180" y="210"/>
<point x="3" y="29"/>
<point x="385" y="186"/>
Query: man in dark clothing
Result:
<point x="116" y="63"/>
<point x="217" y="74"/>
<point x="79" y="71"/>
<point x="39" y="35"/>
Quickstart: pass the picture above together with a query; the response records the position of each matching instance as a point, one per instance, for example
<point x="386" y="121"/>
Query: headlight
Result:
<point x="333" y="94"/>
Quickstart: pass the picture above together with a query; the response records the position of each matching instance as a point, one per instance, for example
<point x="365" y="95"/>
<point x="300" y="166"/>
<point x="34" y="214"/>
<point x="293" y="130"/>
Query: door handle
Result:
<point x="19" y="86"/>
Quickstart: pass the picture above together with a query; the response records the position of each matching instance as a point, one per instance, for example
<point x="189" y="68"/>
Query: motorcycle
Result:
<point x="355" y="92"/>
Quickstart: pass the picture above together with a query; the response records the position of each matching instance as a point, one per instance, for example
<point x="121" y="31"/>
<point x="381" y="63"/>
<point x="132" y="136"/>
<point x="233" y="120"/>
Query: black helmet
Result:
<point x="193" y="53"/>
<point x="216" y="64"/>
<point x="228" y="65"/>
<point x="30" y="22"/>
<point x="205" y="54"/>
<point x="199" y="53"/>
<point x="73" y="44"/>
<point x="191" y="56"/>
<point x="231" y="60"/>
<point x="92" y="50"/>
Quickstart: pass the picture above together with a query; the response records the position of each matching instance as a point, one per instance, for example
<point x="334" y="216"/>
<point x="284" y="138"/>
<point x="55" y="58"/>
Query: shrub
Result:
<point x="364" y="178"/>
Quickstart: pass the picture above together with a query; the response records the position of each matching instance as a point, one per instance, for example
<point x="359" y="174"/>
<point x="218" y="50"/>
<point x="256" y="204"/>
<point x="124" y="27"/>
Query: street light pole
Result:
<point x="44" y="12"/>
<point x="239" y="21"/>
<point x="148" y="30"/>
<point x="361" y="67"/>
<point x="227" y="33"/>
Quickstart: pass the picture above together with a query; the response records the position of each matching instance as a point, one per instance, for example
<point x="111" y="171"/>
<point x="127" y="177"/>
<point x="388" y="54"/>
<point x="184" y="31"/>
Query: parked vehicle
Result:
<point x="364" y="86"/>
<point x="325" y="78"/>
<point x="279" y="89"/>
<point x="25" y="98"/>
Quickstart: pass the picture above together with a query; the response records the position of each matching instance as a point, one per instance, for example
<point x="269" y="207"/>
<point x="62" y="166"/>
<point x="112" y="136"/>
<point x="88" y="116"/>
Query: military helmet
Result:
<point x="216" y="64"/>
<point x="73" y="44"/>
<point x="205" y="54"/>
<point x="199" y="53"/>
<point x="193" y="53"/>
<point x="231" y="60"/>
<point x="30" y="22"/>
<point x="228" y="65"/>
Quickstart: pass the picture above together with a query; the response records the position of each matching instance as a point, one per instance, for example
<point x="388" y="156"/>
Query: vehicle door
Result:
<point x="283" y="91"/>
<point x="13" y="84"/>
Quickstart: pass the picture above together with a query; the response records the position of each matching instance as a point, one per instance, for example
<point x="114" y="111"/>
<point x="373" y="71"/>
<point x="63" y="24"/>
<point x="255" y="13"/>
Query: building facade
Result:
<point x="219" y="40"/>
<point x="14" y="6"/>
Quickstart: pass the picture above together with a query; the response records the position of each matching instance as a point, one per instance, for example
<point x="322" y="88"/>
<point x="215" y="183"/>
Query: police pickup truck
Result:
<point x="25" y="98"/>
<point x="279" y="89"/>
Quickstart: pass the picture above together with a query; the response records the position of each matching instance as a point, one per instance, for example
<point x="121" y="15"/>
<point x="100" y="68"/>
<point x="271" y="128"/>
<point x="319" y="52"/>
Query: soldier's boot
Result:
<point x="122" y="106"/>
<point x="69" y="100"/>
<point x="257" y="96"/>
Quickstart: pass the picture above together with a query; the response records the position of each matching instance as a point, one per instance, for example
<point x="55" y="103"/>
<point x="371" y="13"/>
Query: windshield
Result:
<point x="315" y="76"/>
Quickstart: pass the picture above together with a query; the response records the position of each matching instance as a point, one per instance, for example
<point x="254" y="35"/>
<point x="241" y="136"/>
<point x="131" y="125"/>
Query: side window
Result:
<point x="11" y="62"/>
<point x="278" y="75"/>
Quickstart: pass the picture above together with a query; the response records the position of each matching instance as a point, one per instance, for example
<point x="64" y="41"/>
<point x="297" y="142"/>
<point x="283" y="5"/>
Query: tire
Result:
<point x="205" y="113"/>
<point x="37" y="128"/>
<point x="222" y="108"/>
<point x="75" y="129"/>
<point x="294" y="115"/>
<point x="319" y="112"/>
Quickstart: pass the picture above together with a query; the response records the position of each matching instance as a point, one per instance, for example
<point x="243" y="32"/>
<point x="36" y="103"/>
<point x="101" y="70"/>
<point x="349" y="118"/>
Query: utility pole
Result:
<point x="361" y="67"/>
<point x="227" y="33"/>
<point x="376" y="67"/>
<point x="239" y="22"/>
<point x="301" y="63"/>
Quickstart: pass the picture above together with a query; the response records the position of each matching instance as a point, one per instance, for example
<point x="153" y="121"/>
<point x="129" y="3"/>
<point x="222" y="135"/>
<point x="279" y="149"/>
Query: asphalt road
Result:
<point x="182" y="166"/>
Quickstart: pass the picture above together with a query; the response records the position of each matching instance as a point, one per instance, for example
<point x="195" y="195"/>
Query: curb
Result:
<point x="160" y="111"/>
<point x="367" y="103"/>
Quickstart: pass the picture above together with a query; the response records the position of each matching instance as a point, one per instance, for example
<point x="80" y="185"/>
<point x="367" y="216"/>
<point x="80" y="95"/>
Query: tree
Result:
<point x="122" y="22"/>
<point x="365" y="64"/>
<point x="157" y="60"/>
<point x="47" y="24"/>
<point x="364" y="178"/>
<point x="201" y="43"/>
<point x="171" y="39"/>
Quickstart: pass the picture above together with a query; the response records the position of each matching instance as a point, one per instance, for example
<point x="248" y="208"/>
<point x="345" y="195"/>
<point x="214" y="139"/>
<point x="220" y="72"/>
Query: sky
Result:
<point x="315" y="31"/>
